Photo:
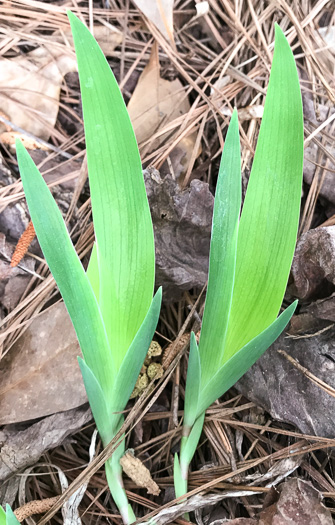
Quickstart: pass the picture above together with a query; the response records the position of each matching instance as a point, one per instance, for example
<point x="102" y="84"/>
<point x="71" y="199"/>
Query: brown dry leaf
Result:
<point x="30" y="88"/>
<point x="138" y="473"/>
<point x="299" y="504"/>
<point x="9" y="137"/>
<point x="160" y="13"/>
<point x="156" y="102"/>
<point x="40" y="374"/>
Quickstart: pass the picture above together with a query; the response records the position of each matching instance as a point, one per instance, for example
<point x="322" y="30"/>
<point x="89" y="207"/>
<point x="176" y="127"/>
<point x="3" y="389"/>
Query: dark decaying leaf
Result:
<point x="313" y="268"/>
<point x="276" y="385"/>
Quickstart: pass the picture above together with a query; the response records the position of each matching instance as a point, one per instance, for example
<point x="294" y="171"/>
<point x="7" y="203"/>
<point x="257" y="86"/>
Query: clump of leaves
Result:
<point x="250" y="256"/>
<point x="110" y="305"/>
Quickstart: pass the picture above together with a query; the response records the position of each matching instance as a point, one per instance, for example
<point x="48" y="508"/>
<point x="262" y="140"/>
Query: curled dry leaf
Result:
<point x="182" y="224"/>
<point x="40" y="374"/>
<point x="160" y="13"/>
<point x="30" y="88"/>
<point x="137" y="472"/>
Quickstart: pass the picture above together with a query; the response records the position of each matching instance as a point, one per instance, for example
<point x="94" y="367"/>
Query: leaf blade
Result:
<point x="192" y="387"/>
<point x="11" y="519"/>
<point x="101" y="414"/>
<point x="270" y="214"/>
<point x="66" y="268"/>
<point x="241" y="361"/>
<point x="133" y="360"/>
<point x="222" y="258"/>
<point x="121" y="214"/>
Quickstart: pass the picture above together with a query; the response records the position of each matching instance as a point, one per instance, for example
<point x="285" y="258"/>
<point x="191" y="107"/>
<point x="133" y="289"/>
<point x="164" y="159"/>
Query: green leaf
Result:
<point x="122" y="221"/>
<point x="222" y="258"/>
<point x="242" y="360"/>
<point x="133" y="360"/>
<point x="93" y="271"/>
<point x="10" y="517"/>
<point x="114" y="480"/>
<point x="190" y="444"/>
<point x="2" y="516"/>
<point x="67" y="270"/>
<point x="193" y="380"/>
<point x="101" y="414"/>
<point x="180" y="484"/>
<point x="270" y="215"/>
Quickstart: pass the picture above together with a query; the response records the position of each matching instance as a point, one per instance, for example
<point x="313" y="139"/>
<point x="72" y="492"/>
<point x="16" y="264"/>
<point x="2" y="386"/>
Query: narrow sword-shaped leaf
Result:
<point x="121" y="214"/>
<point x="190" y="444"/>
<point x="193" y="381"/>
<point x="11" y="519"/>
<point x="241" y="361"/>
<point x="67" y="270"/>
<point x="222" y="258"/>
<point x="133" y="360"/>
<point x="180" y="484"/>
<point x="97" y="402"/>
<point x="270" y="214"/>
<point x="2" y="516"/>
<point x="93" y="271"/>
<point x="114" y="479"/>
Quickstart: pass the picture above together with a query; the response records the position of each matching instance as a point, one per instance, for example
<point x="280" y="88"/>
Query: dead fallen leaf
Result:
<point x="160" y="13"/>
<point x="287" y="394"/>
<point x="40" y="374"/>
<point x="21" y="448"/>
<point x="313" y="267"/>
<point x="30" y="88"/>
<point x="138" y="473"/>
<point x="155" y="103"/>
<point x="9" y="137"/>
<point x="299" y="503"/>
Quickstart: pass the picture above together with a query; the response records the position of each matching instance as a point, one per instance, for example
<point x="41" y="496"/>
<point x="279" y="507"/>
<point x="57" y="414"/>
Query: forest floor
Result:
<point x="266" y="452"/>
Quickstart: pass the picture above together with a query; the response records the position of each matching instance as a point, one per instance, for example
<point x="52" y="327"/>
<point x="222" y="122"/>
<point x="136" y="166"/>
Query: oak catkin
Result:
<point x="23" y="245"/>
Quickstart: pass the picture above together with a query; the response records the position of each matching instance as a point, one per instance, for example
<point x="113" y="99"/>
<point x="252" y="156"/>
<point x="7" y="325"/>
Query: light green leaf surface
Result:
<point x="180" y="484"/>
<point x="133" y="360"/>
<point x="93" y="271"/>
<point x="193" y="380"/>
<point x="10" y="517"/>
<point x="242" y="360"/>
<point x="122" y="222"/>
<point x="2" y="516"/>
<point x="270" y="215"/>
<point x="222" y="258"/>
<point x="114" y="479"/>
<point x="67" y="270"/>
<point x="97" y="402"/>
<point x="190" y="444"/>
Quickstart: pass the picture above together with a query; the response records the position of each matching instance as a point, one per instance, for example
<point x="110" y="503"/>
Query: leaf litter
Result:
<point x="220" y="57"/>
